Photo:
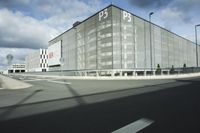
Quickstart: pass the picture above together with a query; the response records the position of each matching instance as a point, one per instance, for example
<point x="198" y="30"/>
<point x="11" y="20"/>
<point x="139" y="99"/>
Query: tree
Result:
<point x="158" y="70"/>
<point x="184" y="65"/>
<point x="184" y="68"/>
<point x="172" y="70"/>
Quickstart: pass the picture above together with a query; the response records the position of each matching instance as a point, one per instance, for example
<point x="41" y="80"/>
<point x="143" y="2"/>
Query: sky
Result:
<point x="27" y="25"/>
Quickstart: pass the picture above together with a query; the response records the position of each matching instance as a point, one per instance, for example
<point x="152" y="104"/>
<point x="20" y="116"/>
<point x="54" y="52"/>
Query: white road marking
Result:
<point x="59" y="82"/>
<point x="21" y="78"/>
<point x="135" y="126"/>
<point x="33" y="80"/>
<point x="1" y="88"/>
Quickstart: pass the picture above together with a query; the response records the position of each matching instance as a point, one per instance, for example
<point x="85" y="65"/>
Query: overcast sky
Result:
<point x="27" y="25"/>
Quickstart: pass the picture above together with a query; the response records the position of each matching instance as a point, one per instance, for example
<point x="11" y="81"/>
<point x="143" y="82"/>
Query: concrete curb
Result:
<point x="2" y="85"/>
<point x="177" y="76"/>
<point x="9" y="83"/>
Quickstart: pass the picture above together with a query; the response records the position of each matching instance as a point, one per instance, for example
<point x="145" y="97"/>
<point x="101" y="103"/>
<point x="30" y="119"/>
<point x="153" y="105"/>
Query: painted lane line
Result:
<point x="33" y="80"/>
<point x="59" y="82"/>
<point x="1" y="88"/>
<point x="135" y="126"/>
<point x="21" y="78"/>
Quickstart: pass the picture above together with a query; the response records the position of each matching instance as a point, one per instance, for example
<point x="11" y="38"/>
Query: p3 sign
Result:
<point x="103" y="14"/>
<point x="126" y="16"/>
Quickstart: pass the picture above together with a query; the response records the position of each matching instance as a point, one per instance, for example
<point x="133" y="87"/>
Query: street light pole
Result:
<point x="196" y="43"/>
<point x="151" y="13"/>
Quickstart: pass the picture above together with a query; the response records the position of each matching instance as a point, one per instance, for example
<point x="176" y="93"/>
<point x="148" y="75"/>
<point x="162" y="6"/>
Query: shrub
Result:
<point x="184" y="68"/>
<point x="158" y="70"/>
<point x="172" y="71"/>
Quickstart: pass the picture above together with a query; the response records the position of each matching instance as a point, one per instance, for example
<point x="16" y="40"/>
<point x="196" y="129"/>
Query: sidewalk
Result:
<point x="1" y="84"/>
<point x="9" y="83"/>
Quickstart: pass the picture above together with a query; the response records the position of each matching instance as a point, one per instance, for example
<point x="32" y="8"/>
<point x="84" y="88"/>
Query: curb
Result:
<point x="181" y="76"/>
<point x="10" y="83"/>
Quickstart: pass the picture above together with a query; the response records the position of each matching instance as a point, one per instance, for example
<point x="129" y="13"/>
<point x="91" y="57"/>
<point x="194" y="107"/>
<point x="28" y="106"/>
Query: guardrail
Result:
<point x="122" y="72"/>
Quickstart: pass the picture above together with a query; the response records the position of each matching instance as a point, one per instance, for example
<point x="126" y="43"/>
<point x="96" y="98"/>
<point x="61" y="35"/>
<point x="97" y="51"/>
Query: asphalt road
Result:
<point x="172" y="110"/>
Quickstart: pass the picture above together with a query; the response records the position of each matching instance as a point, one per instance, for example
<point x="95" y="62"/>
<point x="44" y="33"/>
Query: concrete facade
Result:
<point x="16" y="68"/>
<point x="37" y="61"/>
<point x="114" y="39"/>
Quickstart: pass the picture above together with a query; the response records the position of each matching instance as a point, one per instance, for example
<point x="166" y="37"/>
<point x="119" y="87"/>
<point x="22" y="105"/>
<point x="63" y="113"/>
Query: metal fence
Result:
<point x="121" y="72"/>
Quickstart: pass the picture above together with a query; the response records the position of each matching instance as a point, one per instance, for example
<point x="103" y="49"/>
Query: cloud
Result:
<point x="23" y="31"/>
<point x="50" y="9"/>
<point x="9" y="3"/>
<point x="181" y="13"/>
<point x="172" y="17"/>
<point x="178" y="16"/>
<point x="150" y="3"/>
<point x="186" y="5"/>
<point x="183" y="10"/>
<point x="68" y="12"/>
<point x="28" y="25"/>
<point x="181" y="5"/>
<point x="19" y="31"/>
<point x="19" y="55"/>
<point x="171" y="13"/>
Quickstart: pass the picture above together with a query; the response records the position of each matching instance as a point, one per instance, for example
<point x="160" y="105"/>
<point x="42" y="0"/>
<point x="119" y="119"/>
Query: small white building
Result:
<point x="37" y="61"/>
<point x="16" y="68"/>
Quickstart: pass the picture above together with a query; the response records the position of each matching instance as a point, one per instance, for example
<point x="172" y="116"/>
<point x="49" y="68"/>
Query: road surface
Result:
<point x="171" y="108"/>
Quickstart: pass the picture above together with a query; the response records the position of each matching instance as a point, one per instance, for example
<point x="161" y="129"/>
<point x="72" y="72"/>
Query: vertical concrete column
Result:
<point x="125" y="74"/>
<point x="167" y="72"/>
<point x="112" y="73"/>
<point x="154" y="72"/>
<point x="97" y="73"/>
<point x="179" y="72"/>
<point x="134" y="74"/>
<point x="145" y="72"/>
<point x="120" y="73"/>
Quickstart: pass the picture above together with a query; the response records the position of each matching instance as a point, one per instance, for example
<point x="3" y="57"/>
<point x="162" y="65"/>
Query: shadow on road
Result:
<point x="12" y="108"/>
<point x="75" y="94"/>
<point x="81" y="101"/>
<point x="189" y="80"/>
<point x="174" y="110"/>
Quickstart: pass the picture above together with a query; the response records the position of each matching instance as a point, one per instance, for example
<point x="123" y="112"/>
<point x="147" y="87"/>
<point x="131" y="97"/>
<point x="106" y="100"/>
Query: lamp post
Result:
<point x="196" y="43"/>
<point x="76" y="51"/>
<point x="151" y="13"/>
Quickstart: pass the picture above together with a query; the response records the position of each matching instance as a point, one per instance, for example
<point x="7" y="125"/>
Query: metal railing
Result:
<point x="122" y="72"/>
